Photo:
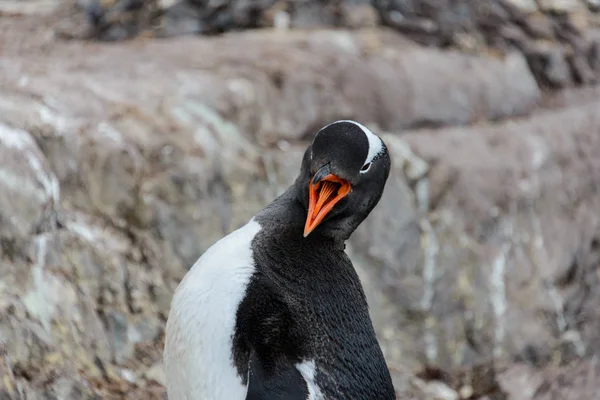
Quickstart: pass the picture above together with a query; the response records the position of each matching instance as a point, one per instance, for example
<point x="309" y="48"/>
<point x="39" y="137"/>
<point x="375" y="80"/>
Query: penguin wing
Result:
<point x="268" y="330"/>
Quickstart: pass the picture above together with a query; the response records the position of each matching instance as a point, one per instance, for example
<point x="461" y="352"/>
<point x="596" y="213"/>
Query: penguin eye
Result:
<point x="365" y="168"/>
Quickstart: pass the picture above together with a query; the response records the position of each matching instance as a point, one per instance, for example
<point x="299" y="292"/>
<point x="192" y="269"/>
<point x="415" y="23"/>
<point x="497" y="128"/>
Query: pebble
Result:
<point x="527" y="6"/>
<point x="559" y="5"/>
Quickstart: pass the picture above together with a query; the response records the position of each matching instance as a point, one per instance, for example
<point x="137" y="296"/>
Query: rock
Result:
<point x="549" y="63"/>
<point x="539" y="26"/>
<point x="264" y="96"/>
<point x="312" y="15"/>
<point x="582" y="70"/>
<point x="559" y="5"/>
<point x="435" y="390"/>
<point x="472" y="26"/>
<point x="469" y="293"/>
<point x="26" y="8"/>
<point x="557" y="71"/>
<point x="78" y="277"/>
<point x="594" y="56"/>
<point x="577" y="380"/>
<point x="470" y="96"/>
<point x="156" y="373"/>
<point x="358" y="15"/>
<point x="521" y="382"/>
<point x="482" y="254"/>
<point x="500" y="24"/>
<point x="180" y="18"/>
<point x="526" y="6"/>
<point x="423" y="30"/>
<point x="514" y="35"/>
<point x="571" y="97"/>
<point x="25" y="179"/>
<point x="594" y="5"/>
<point x="118" y="20"/>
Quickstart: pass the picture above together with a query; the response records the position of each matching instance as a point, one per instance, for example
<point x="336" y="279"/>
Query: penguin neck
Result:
<point x="286" y="216"/>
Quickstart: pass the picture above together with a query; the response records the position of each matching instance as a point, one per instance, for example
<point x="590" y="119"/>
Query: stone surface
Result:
<point x="503" y="25"/>
<point x="527" y="6"/>
<point x="557" y="30"/>
<point x="550" y="62"/>
<point x="508" y="247"/>
<point x="560" y="5"/>
<point x="123" y="162"/>
<point x="575" y="381"/>
<point x="370" y="74"/>
<point x="123" y="19"/>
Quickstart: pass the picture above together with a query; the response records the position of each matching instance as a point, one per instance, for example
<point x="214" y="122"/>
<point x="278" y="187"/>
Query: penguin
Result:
<point x="275" y="309"/>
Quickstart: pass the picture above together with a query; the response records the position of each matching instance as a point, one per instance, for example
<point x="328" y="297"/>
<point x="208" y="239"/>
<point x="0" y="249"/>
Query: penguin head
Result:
<point x="342" y="178"/>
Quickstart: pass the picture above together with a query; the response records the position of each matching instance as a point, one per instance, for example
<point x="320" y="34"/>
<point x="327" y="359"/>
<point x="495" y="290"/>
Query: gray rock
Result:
<point x="481" y="230"/>
<point x="559" y="5"/>
<point x="156" y="373"/>
<point x="550" y="64"/>
<point x="526" y="6"/>
<point x="594" y="5"/>
<point x="358" y="14"/>
<point x="498" y="24"/>
<point x="180" y="18"/>
<point x="466" y="25"/>
<point x="540" y="26"/>
<point x="490" y="255"/>
<point x="582" y="70"/>
<point x="575" y="380"/>
<point x="25" y="179"/>
<point x="421" y="96"/>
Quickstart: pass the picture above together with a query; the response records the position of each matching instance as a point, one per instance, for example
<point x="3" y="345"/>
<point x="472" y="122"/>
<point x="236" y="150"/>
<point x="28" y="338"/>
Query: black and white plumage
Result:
<point x="275" y="309"/>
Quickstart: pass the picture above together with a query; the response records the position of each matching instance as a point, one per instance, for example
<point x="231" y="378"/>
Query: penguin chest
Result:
<point x="198" y="344"/>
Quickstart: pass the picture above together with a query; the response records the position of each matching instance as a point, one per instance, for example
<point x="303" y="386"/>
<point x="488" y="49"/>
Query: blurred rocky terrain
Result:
<point x="122" y="162"/>
<point x="560" y="39"/>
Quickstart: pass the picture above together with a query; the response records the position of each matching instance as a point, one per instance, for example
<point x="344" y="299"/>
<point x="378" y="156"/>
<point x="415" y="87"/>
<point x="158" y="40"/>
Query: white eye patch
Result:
<point x="376" y="146"/>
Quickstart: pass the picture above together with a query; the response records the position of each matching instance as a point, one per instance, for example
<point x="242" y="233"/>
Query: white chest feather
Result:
<point x="308" y="371"/>
<point x="201" y="323"/>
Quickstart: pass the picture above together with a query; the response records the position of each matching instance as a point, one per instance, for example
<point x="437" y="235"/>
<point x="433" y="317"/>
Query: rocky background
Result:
<point x="133" y="134"/>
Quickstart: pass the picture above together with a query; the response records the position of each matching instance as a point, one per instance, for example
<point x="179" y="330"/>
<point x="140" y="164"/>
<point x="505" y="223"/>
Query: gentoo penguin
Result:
<point x="275" y="309"/>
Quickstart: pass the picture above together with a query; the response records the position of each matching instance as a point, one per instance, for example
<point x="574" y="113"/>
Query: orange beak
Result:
<point x="323" y="196"/>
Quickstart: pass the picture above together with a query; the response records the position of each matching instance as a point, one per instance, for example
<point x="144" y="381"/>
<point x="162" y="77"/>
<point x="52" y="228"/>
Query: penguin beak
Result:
<point x="325" y="191"/>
